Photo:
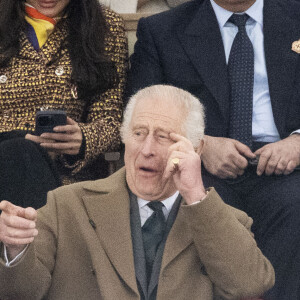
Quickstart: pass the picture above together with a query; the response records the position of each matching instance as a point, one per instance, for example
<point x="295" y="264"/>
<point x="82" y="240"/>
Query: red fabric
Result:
<point x="33" y="13"/>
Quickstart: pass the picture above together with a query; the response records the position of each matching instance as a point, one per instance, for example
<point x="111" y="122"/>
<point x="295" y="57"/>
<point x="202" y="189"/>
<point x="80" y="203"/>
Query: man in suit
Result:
<point x="102" y="240"/>
<point x="190" y="47"/>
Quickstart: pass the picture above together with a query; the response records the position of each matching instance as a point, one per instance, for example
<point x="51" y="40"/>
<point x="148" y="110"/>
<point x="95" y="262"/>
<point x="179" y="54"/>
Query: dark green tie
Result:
<point x="153" y="232"/>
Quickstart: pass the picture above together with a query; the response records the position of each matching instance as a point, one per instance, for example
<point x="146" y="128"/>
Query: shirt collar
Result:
<point x="255" y="12"/>
<point x="168" y="203"/>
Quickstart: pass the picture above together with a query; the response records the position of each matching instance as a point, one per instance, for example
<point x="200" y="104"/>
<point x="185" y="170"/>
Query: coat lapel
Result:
<point x="51" y="49"/>
<point x="178" y="240"/>
<point x="202" y="42"/>
<point x="280" y="32"/>
<point x="109" y="215"/>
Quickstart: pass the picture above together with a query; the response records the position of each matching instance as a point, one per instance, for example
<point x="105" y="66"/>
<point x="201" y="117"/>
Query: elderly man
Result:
<point x="242" y="59"/>
<point x="150" y="231"/>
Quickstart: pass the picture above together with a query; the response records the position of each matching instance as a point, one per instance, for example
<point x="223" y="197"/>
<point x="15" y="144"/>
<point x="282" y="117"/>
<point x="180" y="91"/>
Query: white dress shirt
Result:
<point x="263" y="125"/>
<point x="146" y="211"/>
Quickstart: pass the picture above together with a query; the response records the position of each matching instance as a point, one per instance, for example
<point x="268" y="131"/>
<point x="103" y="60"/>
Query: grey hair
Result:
<point x="193" y="125"/>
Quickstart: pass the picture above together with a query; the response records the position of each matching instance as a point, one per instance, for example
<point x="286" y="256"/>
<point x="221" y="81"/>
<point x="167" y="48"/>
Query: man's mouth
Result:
<point x="147" y="169"/>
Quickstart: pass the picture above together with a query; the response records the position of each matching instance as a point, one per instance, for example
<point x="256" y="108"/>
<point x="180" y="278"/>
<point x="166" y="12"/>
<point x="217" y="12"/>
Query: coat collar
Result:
<point x="52" y="47"/>
<point x="108" y="206"/>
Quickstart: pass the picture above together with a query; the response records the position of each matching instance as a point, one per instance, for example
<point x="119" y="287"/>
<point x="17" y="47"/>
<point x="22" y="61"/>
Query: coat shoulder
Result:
<point x="178" y="15"/>
<point x="105" y="185"/>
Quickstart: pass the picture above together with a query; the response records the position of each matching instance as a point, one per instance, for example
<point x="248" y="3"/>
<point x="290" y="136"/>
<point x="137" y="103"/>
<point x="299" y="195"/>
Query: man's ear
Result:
<point x="201" y="145"/>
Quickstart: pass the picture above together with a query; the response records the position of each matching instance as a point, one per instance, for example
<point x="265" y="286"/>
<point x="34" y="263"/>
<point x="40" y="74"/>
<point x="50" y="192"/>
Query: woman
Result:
<point x="66" y="55"/>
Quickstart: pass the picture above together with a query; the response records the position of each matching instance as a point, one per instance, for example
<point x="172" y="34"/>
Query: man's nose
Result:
<point x="149" y="145"/>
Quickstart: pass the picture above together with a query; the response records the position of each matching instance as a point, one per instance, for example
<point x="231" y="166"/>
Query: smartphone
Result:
<point x="46" y="120"/>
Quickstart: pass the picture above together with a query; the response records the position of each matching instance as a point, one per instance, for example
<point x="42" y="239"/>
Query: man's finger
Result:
<point x="17" y="241"/>
<point x="244" y="150"/>
<point x="181" y="143"/>
<point x="271" y="165"/>
<point x="240" y="162"/>
<point x="262" y="164"/>
<point x="10" y="208"/>
<point x="176" y="137"/>
<point x="227" y="174"/>
<point x="21" y="233"/>
<point x="179" y="138"/>
<point x="281" y="166"/>
<point x="171" y="168"/>
<point x="289" y="168"/>
<point x="17" y="222"/>
<point x="30" y="214"/>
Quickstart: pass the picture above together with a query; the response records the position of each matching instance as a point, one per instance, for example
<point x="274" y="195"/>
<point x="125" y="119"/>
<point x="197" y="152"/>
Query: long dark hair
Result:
<point x="92" y="70"/>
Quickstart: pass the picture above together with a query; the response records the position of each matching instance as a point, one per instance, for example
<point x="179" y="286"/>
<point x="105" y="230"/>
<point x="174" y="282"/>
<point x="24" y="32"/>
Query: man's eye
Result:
<point x="139" y="133"/>
<point x="163" y="138"/>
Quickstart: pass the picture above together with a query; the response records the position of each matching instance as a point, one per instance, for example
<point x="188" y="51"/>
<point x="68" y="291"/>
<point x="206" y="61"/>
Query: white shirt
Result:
<point x="146" y="211"/>
<point x="263" y="124"/>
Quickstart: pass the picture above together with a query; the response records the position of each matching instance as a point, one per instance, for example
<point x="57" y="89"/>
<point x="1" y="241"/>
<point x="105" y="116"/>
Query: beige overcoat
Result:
<point x="84" y="250"/>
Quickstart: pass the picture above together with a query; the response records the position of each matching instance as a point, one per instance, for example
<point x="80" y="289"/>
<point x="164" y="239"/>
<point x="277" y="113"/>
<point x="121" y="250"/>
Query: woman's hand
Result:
<point x="66" y="139"/>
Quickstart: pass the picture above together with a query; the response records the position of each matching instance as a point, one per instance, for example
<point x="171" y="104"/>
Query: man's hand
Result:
<point x="281" y="157"/>
<point x="187" y="173"/>
<point x="67" y="139"/>
<point x="224" y="157"/>
<point x="17" y="227"/>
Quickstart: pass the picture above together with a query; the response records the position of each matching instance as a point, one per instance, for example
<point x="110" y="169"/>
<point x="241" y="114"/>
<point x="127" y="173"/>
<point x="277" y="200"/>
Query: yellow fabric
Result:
<point x="42" y="29"/>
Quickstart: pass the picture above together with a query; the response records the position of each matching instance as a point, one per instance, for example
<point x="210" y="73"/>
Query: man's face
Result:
<point x="235" y="5"/>
<point x="146" y="147"/>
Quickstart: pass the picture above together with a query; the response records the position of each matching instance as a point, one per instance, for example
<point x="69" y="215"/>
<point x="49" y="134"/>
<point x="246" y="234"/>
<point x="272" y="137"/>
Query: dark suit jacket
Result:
<point x="84" y="250"/>
<point x="183" y="47"/>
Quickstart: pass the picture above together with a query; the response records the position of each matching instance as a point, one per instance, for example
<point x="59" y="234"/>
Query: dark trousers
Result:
<point x="274" y="204"/>
<point x="27" y="172"/>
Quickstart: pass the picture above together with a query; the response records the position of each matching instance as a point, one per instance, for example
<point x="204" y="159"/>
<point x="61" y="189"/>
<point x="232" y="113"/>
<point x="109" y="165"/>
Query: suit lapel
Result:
<point x="202" y="42"/>
<point x="280" y="32"/>
<point x="109" y="204"/>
